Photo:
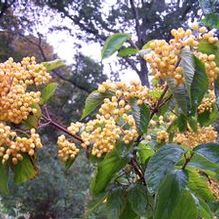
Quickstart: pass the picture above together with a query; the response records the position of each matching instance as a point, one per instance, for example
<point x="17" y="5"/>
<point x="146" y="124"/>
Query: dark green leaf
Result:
<point x="160" y="164"/>
<point x="204" y="164"/>
<point x="127" y="52"/>
<point x="48" y="92"/>
<point x="106" y="169"/>
<point x="137" y="197"/>
<point x="170" y="194"/>
<point x="24" y="170"/>
<point x="128" y="213"/>
<point x="4" y="178"/>
<point x="113" y="44"/>
<point x="204" y="210"/>
<point x="199" y="84"/>
<point x="209" y="151"/>
<point x="182" y="123"/>
<point x="52" y="65"/>
<point x="187" y="63"/>
<point x="93" y="101"/>
<point x="115" y="203"/>
<point x="142" y="116"/>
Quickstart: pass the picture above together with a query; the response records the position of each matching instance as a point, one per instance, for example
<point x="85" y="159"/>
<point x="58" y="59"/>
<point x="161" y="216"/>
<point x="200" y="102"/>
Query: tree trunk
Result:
<point x="143" y="73"/>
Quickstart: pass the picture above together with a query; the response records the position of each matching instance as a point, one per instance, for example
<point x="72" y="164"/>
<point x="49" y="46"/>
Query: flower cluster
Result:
<point x="162" y="137"/>
<point x="214" y="187"/>
<point x="165" y="56"/>
<point x="66" y="149"/>
<point x="12" y="146"/>
<point x="15" y="101"/>
<point x="192" y="139"/>
<point x="207" y="103"/>
<point x="114" y="122"/>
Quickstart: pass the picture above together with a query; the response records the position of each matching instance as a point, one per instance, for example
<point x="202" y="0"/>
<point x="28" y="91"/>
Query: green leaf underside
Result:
<point x="24" y="170"/>
<point x="52" y="65"/>
<point x="113" y="44"/>
<point x="4" y="168"/>
<point x="127" y="52"/>
<point x="144" y="152"/>
<point x="93" y="101"/>
<point x="106" y="169"/>
<point x="48" y="92"/>
<point x="198" y="184"/>
<point x="160" y="164"/>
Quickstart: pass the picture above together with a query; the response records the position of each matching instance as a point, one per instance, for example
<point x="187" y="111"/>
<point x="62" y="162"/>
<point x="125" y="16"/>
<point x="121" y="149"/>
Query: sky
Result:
<point x="63" y="44"/>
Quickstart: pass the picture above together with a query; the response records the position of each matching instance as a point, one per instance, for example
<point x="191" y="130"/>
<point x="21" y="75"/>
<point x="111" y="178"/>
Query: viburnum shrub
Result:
<point x="155" y="149"/>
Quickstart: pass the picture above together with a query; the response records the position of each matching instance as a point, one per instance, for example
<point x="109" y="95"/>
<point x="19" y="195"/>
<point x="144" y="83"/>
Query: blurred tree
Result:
<point x="144" y="19"/>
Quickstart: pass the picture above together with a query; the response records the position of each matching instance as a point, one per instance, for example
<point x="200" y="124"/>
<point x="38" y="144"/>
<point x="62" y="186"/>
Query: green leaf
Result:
<point x="160" y="164"/>
<point x="127" y="52"/>
<point x="187" y="63"/>
<point x="115" y="203"/>
<point x="128" y="213"/>
<point x="182" y="123"/>
<point x="144" y="152"/>
<point x="193" y="123"/>
<point x="48" y="92"/>
<point x="170" y="194"/>
<point x="211" y="20"/>
<point x="198" y="184"/>
<point x="141" y="115"/>
<point x="204" y="210"/>
<point x="113" y="44"/>
<point x="204" y="164"/>
<point x="209" y="151"/>
<point x="186" y="207"/>
<point x="106" y="169"/>
<point x="137" y="197"/>
<point x="4" y="168"/>
<point x="95" y="203"/>
<point x="199" y="84"/>
<point x="32" y="120"/>
<point x="93" y="101"/>
<point x="24" y="170"/>
<point x="69" y="163"/>
<point x="207" y="118"/>
<point x="180" y="94"/>
<point x="52" y="65"/>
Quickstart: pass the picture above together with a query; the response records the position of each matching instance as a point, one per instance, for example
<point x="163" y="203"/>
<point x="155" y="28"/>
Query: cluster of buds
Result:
<point x="214" y="187"/>
<point x="12" y="146"/>
<point x="114" y="122"/>
<point x="66" y="149"/>
<point x="165" y="56"/>
<point x="192" y="139"/>
<point x="207" y="103"/>
<point x="162" y="136"/>
<point x="15" y="101"/>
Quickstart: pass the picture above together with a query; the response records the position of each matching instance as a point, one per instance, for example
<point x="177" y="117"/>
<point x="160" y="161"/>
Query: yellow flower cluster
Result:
<point x="162" y="137"/>
<point x="67" y="150"/>
<point x="135" y="90"/>
<point x="214" y="187"/>
<point x="12" y="146"/>
<point x="207" y="103"/>
<point x="15" y="101"/>
<point x="165" y="56"/>
<point x="114" y="122"/>
<point x="192" y="139"/>
<point x="212" y="70"/>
